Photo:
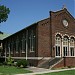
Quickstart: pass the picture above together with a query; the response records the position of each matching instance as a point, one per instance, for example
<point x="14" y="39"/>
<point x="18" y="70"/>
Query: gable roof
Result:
<point x="63" y="11"/>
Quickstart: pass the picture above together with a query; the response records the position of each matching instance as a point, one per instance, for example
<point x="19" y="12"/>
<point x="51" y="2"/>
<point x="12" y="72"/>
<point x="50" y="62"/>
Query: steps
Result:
<point x="49" y="63"/>
<point x="44" y="64"/>
<point x="52" y="62"/>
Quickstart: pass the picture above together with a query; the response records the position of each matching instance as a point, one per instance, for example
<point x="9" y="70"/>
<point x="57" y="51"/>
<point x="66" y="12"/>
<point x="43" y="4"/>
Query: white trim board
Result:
<point x="35" y="58"/>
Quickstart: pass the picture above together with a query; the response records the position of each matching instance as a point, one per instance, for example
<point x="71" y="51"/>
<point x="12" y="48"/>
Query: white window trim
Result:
<point x="70" y="46"/>
<point x="11" y="52"/>
<point x="17" y="52"/>
<point x="64" y="46"/>
<point x="57" y="45"/>
<point x="70" y="50"/>
<point x="23" y="51"/>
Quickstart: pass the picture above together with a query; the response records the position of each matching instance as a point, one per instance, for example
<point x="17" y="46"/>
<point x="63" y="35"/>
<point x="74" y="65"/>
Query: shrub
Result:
<point x="4" y="63"/>
<point x="22" y="63"/>
<point x="18" y="64"/>
<point x="0" y="64"/>
<point x="2" y="60"/>
<point x="10" y="61"/>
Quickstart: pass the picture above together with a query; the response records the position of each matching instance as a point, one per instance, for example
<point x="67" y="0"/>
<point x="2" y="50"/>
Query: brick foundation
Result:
<point x="66" y="62"/>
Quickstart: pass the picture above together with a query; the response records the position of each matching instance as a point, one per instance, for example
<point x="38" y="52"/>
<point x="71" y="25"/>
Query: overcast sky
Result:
<point x="26" y="12"/>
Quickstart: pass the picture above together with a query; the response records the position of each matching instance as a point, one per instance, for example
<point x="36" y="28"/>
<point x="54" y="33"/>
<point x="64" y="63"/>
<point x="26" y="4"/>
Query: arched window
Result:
<point x="65" y="46"/>
<point x="58" y="45"/>
<point x="72" y="46"/>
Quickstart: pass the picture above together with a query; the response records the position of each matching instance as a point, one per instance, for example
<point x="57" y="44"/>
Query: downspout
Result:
<point x="26" y="43"/>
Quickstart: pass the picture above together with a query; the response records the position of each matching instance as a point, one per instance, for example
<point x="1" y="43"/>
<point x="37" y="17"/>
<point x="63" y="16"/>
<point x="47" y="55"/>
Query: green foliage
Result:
<point x="4" y="63"/>
<point x="22" y="63"/>
<point x="10" y="61"/>
<point x="18" y="63"/>
<point x="3" y="13"/>
<point x="0" y="64"/>
<point x="2" y="60"/>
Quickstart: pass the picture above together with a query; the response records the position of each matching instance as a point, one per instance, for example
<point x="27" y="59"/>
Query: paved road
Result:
<point x="42" y="70"/>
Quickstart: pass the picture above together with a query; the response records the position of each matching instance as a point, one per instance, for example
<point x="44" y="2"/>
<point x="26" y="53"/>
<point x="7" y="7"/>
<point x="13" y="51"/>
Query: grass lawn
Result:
<point x="69" y="72"/>
<point x="10" y="70"/>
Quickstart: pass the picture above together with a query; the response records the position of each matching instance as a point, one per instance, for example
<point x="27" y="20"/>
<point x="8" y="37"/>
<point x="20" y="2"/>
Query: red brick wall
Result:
<point x="57" y="25"/>
<point x="44" y="38"/>
<point x="69" y="61"/>
<point x="59" y="65"/>
<point x="66" y="62"/>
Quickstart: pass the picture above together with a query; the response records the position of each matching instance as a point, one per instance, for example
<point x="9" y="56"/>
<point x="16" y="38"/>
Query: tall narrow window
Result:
<point x="58" y="45"/>
<point x="23" y="43"/>
<point x="65" y="46"/>
<point x="32" y="41"/>
<point x="7" y="51"/>
<point x="9" y="48"/>
<point x="17" y="43"/>
<point x="12" y="47"/>
<point x="72" y="47"/>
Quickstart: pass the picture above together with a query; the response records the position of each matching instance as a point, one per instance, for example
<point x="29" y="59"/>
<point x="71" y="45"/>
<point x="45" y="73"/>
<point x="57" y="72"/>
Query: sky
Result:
<point x="26" y="12"/>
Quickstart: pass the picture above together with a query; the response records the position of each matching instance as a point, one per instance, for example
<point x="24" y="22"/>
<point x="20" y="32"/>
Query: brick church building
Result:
<point x="49" y="43"/>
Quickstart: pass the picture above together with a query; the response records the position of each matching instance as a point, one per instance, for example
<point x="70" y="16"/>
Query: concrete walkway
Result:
<point x="42" y="70"/>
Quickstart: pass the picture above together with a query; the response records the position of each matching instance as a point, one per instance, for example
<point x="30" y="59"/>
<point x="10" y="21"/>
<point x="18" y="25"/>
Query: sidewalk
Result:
<point x="42" y="70"/>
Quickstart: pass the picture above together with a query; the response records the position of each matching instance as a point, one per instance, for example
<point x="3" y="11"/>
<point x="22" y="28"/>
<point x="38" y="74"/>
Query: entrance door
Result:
<point x="57" y="51"/>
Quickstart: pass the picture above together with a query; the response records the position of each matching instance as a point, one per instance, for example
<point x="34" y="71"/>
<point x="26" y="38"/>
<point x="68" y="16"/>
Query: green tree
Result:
<point x="3" y="13"/>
